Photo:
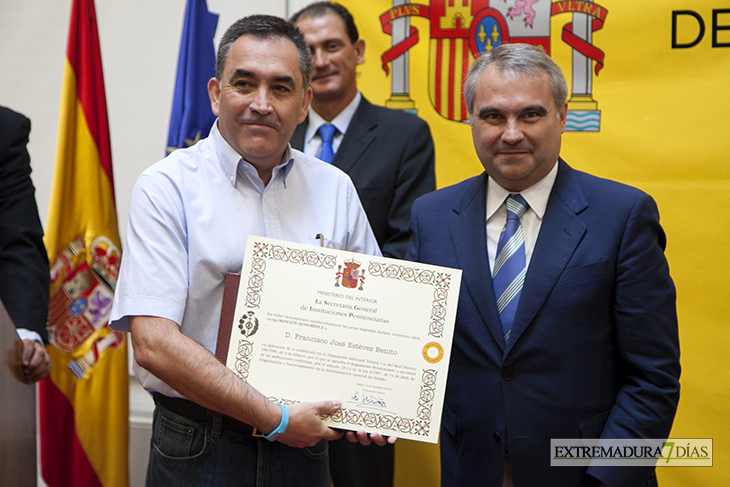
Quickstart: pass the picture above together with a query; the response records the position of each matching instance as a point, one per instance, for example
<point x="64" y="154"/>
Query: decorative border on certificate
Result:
<point x="264" y="251"/>
<point x="248" y="324"/>
<point x="349" y="273"/>
<point x="420" y="426"/>
<point x="439" y="280"/>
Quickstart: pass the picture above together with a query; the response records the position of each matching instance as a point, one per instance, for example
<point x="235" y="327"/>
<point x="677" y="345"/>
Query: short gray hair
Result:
<point x="523" y="59"/>
<point x="265" y="27"/>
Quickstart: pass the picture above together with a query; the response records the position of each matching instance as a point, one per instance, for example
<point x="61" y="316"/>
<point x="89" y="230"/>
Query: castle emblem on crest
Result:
<point x="461" y="30"/>
<point x="350" y="276"/>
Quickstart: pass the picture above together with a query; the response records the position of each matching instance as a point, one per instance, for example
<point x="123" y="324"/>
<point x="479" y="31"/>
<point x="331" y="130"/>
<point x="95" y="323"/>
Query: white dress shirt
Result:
<point x="312" y="140"/>
<point x="536" y="196"/>
<point x="26" y="334"/>
<point x="190" y="215"/>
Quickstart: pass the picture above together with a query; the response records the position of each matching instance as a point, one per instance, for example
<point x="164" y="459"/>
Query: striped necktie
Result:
<point x="327" y="134"/>
<point x="509" y="266"/>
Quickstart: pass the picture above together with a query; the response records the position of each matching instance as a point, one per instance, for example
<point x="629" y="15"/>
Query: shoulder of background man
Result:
<point x="10" y="114"/>
<point x="10" y="119"/>
<point x="396" y="121"/>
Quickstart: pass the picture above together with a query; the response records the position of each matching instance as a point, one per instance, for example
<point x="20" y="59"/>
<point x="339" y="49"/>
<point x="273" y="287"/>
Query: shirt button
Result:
<point x="496" y="437"/>
<point x="266" y="198"/>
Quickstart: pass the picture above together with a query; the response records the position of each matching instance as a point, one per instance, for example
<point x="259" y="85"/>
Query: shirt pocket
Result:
<point x="331" y="244"/>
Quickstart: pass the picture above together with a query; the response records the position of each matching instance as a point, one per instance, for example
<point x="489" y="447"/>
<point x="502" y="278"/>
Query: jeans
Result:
<point x="187" y="453"/>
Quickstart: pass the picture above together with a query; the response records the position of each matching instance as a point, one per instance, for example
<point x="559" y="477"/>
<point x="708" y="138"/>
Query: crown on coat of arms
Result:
<point x="352" y="264"/>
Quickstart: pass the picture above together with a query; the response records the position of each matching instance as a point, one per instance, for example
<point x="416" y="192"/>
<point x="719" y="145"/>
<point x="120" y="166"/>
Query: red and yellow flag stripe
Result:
<point x="83" y="403"/>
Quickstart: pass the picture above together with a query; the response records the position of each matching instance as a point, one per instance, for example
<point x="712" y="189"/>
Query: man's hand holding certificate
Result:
<point x="313" y="323"/>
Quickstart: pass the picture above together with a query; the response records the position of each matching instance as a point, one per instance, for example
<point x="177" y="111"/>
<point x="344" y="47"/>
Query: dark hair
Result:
<point x="518" y="59"/>
<point x="320" y="9"/>
<point x="265" y="27"/>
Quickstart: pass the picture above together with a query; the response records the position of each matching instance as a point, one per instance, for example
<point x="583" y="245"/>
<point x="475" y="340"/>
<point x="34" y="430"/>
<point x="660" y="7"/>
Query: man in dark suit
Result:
<point x="24" y="272"/>
<point x="591" y="347"/>
<point x="388" y="154"/>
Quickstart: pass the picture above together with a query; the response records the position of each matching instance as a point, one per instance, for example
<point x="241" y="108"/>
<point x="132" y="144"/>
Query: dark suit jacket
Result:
<point x="594" y="349"/>
<point x="389" y="156"/>
<point x="24" y="272"/>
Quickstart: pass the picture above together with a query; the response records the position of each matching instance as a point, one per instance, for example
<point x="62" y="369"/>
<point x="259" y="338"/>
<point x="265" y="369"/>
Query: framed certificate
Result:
<point x="307" y="323"/>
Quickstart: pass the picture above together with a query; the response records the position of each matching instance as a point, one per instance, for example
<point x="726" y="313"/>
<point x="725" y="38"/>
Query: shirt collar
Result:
<point x="231" y="161"/>
<point x="341" y="121"/>
<point x="537" y="195"/>
<point x="284" y="168"/>
<point x="227" y="156"/>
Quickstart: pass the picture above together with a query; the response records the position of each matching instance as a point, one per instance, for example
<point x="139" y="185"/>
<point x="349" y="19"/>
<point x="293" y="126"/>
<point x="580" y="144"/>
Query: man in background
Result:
<point x="389" y="156"/>
<point x="24" y="273"/>
<point x="567" y="323"/>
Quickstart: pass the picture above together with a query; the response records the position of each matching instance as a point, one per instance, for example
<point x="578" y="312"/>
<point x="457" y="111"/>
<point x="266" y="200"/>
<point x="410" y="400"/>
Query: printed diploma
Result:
<point x="313" y="323"/>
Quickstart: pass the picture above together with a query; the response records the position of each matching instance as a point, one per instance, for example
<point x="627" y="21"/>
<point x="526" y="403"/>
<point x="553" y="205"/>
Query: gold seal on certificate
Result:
<point x="312" y="323"/>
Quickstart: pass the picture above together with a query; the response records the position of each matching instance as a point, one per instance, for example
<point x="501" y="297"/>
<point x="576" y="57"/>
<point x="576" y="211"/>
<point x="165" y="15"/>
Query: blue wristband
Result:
<point x="276" y="434"/>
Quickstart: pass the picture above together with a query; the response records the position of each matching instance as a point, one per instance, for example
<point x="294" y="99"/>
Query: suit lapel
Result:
<point x="360" y="134"/>
<point x="297" y="140"/>
<point x="469" y="240"/>
<point x="560" y="234"/>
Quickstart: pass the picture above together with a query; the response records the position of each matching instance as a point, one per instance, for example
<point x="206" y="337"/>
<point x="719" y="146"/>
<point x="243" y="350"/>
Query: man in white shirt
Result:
<point x="189" y="218"/>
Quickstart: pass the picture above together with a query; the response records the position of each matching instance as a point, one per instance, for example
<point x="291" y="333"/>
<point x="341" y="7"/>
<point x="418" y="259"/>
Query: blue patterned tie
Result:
<point x="327" y="133"/>
<point x="509" y="266"/>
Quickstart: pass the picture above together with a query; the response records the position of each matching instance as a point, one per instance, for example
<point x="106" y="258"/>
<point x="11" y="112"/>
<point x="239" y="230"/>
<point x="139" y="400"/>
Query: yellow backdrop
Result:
<point x="665" y="128"/>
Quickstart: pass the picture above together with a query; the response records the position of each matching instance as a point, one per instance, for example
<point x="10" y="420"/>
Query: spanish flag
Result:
<point x="83" y="403"/>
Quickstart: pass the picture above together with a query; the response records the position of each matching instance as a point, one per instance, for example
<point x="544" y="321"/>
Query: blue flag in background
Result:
<point x="191" y="116"/>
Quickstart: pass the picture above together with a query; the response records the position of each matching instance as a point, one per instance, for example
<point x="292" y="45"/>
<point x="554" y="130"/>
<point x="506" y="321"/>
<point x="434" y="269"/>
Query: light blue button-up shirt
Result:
<point x="190" y="215"/>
